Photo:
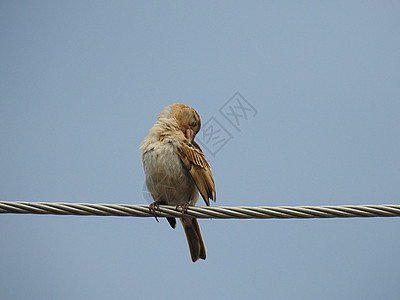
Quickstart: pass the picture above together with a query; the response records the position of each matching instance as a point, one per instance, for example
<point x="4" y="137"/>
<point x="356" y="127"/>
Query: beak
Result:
<point x="189" y="135"/>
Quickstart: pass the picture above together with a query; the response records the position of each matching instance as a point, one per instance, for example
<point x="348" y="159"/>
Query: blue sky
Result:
<point x="82" y="82"/>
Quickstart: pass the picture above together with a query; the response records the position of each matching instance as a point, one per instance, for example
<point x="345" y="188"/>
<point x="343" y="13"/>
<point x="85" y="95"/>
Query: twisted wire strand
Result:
<point x="219" y="212"/>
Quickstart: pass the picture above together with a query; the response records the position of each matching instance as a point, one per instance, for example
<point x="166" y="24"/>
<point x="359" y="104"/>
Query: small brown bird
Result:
<point x="177" y="170"/>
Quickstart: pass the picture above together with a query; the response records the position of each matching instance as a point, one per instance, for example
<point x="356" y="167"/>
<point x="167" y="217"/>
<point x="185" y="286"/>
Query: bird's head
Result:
<point x="187" y="118"/>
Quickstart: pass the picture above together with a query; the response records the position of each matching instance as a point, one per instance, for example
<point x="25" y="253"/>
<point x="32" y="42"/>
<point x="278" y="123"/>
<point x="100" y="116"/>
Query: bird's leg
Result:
<point x="184" y="207"/>
<point x="152" y="209"/>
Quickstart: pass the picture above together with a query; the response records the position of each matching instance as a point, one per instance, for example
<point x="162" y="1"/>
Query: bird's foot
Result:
<point x="152" y="209"/>
<point x="184" y="208"/>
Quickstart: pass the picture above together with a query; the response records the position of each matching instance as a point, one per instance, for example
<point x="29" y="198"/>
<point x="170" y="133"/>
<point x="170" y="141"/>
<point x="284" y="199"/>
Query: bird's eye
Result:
<point x="193" y="124"/>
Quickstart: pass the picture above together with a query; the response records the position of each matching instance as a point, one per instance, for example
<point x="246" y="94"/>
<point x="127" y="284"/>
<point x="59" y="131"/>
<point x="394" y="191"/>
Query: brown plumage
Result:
<point x="177" y="170"/>
<point x="196" y="163"/>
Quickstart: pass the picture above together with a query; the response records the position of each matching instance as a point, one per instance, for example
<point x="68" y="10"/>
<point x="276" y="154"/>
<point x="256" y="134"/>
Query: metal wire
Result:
<point x="219" y="212"/>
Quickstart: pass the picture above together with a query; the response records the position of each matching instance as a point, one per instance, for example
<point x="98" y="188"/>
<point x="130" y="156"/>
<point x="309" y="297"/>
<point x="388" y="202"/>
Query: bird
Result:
<point x="177" y="170"/>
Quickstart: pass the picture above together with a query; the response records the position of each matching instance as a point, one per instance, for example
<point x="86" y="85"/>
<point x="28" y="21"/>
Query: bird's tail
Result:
<point x="194" y="238"/>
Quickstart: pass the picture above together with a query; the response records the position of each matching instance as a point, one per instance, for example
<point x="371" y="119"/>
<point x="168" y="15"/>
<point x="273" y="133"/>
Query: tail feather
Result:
<point x="171" y="222"/>
<point x="194" y="238"/>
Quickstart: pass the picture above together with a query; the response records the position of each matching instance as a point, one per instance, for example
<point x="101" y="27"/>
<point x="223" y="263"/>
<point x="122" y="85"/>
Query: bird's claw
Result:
<point x="184" y="208"/>
<point x="152" y="209"/>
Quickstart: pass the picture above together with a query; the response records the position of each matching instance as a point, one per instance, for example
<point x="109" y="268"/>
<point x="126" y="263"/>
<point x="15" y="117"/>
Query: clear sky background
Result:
<point x="82" y="82"/>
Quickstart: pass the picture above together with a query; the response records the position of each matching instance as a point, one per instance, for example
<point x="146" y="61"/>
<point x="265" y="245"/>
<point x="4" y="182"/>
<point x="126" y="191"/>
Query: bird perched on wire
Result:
<point x="177" y="170"/>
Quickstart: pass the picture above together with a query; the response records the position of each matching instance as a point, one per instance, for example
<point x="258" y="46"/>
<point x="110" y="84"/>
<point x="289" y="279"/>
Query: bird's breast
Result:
<point x="167" y="179"/>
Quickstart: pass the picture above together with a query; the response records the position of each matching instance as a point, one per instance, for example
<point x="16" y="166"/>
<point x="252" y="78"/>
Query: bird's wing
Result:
<point x="196" y="163"/>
